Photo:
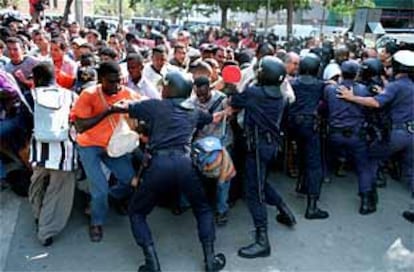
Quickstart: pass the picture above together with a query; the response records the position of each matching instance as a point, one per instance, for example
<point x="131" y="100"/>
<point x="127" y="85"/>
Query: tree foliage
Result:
<point x="347" y="7"/>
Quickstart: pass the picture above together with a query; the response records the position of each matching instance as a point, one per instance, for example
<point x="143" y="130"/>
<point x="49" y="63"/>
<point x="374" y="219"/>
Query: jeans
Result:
<point x="92" y="157"/>
<point x="222" y="197"/>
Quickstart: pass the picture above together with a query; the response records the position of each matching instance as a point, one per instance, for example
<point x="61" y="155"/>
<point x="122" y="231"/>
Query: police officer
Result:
<point x="346" y="133"/>
<point x="378" y="121"/>
<point x="264" y="104"/>
<point x="399" y="95"/>
<point x="170" y="124"/>
<point x="302" y="122"/>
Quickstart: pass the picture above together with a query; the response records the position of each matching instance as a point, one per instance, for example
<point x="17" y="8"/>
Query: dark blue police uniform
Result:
<point x="302" y="125"/>
<point x="170" y="129"/>
<point x="346" y="132"/>
<point x="399" y="97"/>
<point x="263" y="113"/>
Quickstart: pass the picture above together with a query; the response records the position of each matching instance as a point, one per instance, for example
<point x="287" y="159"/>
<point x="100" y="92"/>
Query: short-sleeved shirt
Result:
<point x="399" y="96"/>
<point x="343" y="113"/>
<point x="89" y="105"/>
<point x="169" y="125"/>
<point x="308" y="93"/>
<point x="262" y="110"/>
<point x="25" y="66"/>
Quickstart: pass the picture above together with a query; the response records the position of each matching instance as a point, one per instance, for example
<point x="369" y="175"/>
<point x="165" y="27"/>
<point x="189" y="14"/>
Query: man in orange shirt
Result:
<point x="91" y="114"/>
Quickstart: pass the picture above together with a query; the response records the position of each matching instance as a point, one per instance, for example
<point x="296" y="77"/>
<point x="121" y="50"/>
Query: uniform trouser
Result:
<point x="357" y="149"/>
<point x="92" y="157"/>
<point x="309" y="155"/>
<point x="51" y="195"/>
<point x="402" y="141"/>
<point x="258" y="191"/>
<point x="165" y="173"/>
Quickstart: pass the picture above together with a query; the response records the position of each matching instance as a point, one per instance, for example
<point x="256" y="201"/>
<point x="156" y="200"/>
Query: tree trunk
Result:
<point x="224" y="9"/>
<point x="289" y="26"/>
<point x="67" y="11"/>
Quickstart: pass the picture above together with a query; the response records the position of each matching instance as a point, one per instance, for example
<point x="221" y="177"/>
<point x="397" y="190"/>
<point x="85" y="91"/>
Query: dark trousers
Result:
<point x="309" y="154"/>
<point x="166" y="173"/>
<point x="258" y="191"/>
<point x="402" y="142"/>
<point x="356" y="148"/>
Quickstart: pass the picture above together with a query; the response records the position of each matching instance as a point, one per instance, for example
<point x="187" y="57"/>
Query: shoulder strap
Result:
<point x="216" y="104"/>
<point x="100" y="93"/>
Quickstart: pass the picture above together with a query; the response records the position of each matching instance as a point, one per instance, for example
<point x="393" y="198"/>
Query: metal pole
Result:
<point x="121" y="19"/>
<point x="267" y="16"/>
<point x="79" y="12"/>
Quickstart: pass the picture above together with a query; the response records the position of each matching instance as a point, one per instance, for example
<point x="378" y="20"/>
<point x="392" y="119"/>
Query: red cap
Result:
<point x="231" y="74"/>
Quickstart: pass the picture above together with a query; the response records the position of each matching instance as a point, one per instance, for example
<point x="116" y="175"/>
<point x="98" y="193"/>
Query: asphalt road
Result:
<point x="346" y="241"/>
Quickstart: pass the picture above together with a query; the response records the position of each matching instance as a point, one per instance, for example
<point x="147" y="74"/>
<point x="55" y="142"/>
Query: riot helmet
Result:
<point x="350" y="69"/>
<point x="309" y="64"/>
<point x="403" y="62"/>
<point x="270" y="71"/>
<point x="176" y="85"/>
<point x="371" y="67"/>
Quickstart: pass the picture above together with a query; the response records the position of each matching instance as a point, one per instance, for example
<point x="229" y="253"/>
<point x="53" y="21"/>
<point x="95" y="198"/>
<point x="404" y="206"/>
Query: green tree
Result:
<point x="347" y="7"/>
<point x="7" y="3"/>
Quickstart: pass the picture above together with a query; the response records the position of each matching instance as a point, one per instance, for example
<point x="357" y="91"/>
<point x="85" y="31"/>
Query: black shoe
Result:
<point x="340" y="171"/>
<point x="367" y="203"/>
<point x="312" y="211"/>
<point x="409" y="215"/>
<point x="95" y="233"/>
<point x="48" y="242"/>
<point x="222" y="219"/>
<point x="151" y="260"/>
<point x="260" y="247"/>
<point x="285" y="216"/>
<point x="212" y="262"/>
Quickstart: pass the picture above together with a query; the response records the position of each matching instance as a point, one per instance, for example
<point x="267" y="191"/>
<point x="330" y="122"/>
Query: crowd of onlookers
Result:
<point x="80" y="61"/>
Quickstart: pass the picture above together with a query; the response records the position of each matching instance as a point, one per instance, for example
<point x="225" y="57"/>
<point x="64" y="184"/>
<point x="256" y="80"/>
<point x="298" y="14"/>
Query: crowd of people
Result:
<point x="312" y="107"/>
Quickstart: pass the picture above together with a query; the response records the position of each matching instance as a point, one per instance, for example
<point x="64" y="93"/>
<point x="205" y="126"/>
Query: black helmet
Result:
<point x="350" y="69"/>
<point x="371" y="67"/>
<point x="178" y="85"/>
<point x="403" y="62"/>
<point x="271" y="71"/>
<point x="309" y="64"/>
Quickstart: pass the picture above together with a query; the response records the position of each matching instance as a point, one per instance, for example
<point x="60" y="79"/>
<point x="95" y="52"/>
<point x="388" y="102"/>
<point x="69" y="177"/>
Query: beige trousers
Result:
<point x="51" y="194"/>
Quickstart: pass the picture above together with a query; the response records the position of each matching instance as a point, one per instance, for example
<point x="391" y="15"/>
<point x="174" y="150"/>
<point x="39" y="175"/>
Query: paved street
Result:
<point x="346" y="241"/>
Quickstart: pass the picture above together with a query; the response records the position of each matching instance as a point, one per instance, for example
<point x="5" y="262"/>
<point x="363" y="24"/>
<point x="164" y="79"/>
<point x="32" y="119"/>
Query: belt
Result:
<point x="409" y="126"/>
<point x="171" y="151"/>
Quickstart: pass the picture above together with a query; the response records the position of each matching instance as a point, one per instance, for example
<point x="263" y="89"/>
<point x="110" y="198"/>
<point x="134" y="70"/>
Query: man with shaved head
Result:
<point x="291" y="63"/>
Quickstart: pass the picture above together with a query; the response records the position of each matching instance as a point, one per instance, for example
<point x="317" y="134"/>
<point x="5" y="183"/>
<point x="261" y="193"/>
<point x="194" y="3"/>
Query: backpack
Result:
<point x="51" y="113"/>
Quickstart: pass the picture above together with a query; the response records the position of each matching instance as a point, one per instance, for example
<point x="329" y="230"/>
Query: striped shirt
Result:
<point x="54" y="155"/>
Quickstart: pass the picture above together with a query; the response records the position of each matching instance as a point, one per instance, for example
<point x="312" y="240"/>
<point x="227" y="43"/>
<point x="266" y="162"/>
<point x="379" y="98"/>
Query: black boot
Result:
<point x="374" y="194"/>
<point x="213" y="262"/>
<point x="260" y="247"/>
<point x="151" y="260"/>
<point x="312" y="211"/>
<point x="367" y="203"/>
<point x="409" y="214"/>
<point x="285" y="216"/>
